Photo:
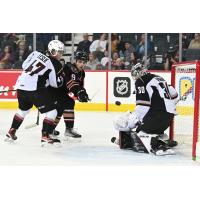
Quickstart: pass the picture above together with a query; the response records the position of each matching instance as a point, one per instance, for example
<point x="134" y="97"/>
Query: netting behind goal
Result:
<point x="185" y="128"/>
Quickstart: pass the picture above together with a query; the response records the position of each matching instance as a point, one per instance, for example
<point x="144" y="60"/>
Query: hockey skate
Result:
<point x="50" y="141"/>
<point x="171" y="143"/>
<point x="10" y="136"/>
<point x="160" y="148"/>
<point x="71" y="133"/>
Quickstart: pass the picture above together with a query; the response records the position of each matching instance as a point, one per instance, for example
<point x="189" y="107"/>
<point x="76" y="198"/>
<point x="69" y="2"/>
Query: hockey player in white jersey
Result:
<point x="155" y="108"/>
<point x="39" y="73"/>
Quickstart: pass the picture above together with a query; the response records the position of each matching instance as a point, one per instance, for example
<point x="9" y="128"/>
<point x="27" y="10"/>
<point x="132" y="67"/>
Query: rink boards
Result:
<point x="104" y="87"/>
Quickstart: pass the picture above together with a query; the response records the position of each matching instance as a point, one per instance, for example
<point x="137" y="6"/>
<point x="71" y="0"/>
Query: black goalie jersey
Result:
<point x="74" y="78"/>
<point x="153" y="91"/>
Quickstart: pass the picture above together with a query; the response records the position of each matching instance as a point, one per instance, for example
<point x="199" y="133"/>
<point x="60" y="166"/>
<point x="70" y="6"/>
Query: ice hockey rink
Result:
<point x="94" y="148"/>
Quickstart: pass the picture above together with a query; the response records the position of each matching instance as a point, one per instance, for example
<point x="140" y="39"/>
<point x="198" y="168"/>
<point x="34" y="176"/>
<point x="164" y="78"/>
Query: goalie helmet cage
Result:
<point x="188" y="68"/>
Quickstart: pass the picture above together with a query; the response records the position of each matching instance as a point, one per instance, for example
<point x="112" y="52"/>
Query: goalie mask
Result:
<point x="56" y="47"/>
<point x="138" y="71"/>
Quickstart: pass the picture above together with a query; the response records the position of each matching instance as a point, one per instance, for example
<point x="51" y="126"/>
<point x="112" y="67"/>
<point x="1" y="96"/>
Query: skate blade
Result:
<point x="54" y="145"/>
<point x="9" y="140"/>
<point x="163" y="153"/>
<point x="71" y="139"/>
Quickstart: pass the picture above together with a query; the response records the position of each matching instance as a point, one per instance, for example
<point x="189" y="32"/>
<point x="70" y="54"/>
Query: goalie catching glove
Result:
<point x="82" y="96"/>
<point x="126" y="122"/>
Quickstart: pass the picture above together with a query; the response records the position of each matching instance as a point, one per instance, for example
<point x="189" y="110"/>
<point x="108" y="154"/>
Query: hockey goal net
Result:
<point x="185" y="77"/>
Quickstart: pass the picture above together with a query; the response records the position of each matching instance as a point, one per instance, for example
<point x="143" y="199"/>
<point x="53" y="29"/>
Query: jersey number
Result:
<point x="39" y="66"/>
<point x="141" y="90"/>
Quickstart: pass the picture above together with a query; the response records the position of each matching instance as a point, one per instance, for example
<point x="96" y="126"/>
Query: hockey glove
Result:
<point x="82" y="96"/>
<point x="133" y="120"/>
<point x="60" y="81"/>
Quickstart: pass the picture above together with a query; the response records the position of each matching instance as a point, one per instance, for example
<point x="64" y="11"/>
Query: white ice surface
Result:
<point x="94" y="148"/>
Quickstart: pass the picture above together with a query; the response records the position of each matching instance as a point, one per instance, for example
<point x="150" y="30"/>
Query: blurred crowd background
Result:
<point x="113" y="51"/>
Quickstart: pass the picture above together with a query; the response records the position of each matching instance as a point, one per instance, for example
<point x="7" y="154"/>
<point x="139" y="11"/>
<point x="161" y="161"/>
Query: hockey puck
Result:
<point x="113" y="139"/>
<point x="118" y="103"/>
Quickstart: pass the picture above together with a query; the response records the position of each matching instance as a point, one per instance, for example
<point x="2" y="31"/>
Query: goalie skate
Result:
<point x="171" y="143"/>
<point x="164" y="152"/>
<point x="161" y="147"/>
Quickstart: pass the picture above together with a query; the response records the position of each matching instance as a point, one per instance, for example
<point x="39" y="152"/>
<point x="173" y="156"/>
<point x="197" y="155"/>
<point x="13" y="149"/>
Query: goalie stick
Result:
<point x="35" y="124"/>
<point x="185" y="95"/>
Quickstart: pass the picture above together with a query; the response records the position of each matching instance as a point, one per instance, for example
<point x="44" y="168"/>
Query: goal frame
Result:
<point x="196" y="103"/>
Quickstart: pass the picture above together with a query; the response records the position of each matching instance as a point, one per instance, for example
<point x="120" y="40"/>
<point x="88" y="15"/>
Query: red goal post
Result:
<point x="191" y="72"/>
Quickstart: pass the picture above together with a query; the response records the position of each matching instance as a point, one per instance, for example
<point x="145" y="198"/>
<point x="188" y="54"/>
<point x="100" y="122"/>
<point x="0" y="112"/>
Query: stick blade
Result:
<point x="31" y="126"/>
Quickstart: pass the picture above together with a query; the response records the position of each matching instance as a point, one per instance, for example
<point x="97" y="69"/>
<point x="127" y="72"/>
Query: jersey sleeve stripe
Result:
<point x="70" y="87"/>
<point x="143" y="103"/>
<point x="69" y="82"/>
<point x="174" y="97"/>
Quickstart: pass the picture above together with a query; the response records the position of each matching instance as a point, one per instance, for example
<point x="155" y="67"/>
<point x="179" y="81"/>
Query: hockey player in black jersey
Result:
<point x="39" y="72"/>
<point x="71" y="90"/>
<point x="155" y="108"/>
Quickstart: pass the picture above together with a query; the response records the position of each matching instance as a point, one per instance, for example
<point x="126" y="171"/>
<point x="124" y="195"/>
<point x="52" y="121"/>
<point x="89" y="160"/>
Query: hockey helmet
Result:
<point x="81" y="55"/>
<point x="55" y="46"/>
<point x="137" y="71"/>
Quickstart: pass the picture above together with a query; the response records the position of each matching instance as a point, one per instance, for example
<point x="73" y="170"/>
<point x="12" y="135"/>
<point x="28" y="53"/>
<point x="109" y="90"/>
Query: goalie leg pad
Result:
<point x="145" y="140"/>
<point x="137" y="145"/>
<point x="124" y="140"/>
<point x="133" y="141"/>
<point x="154" y="145"/>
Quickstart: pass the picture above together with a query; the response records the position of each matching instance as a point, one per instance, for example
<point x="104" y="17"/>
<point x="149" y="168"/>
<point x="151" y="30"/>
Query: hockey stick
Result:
<point x="4" y="91"/>
<point x="185" y="95"/>
<point x="37" y="122"/>
<point x="94" y="94"/>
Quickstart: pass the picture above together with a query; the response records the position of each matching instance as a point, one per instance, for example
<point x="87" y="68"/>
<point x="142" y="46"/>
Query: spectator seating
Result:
<point x="191" y="54"/>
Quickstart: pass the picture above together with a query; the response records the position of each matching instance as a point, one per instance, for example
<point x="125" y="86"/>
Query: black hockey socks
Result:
<point x="48" y="127"/>
<point x="17" y="121"/>
<point x="68" y="116"/>
<point x="57" y="120"/>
